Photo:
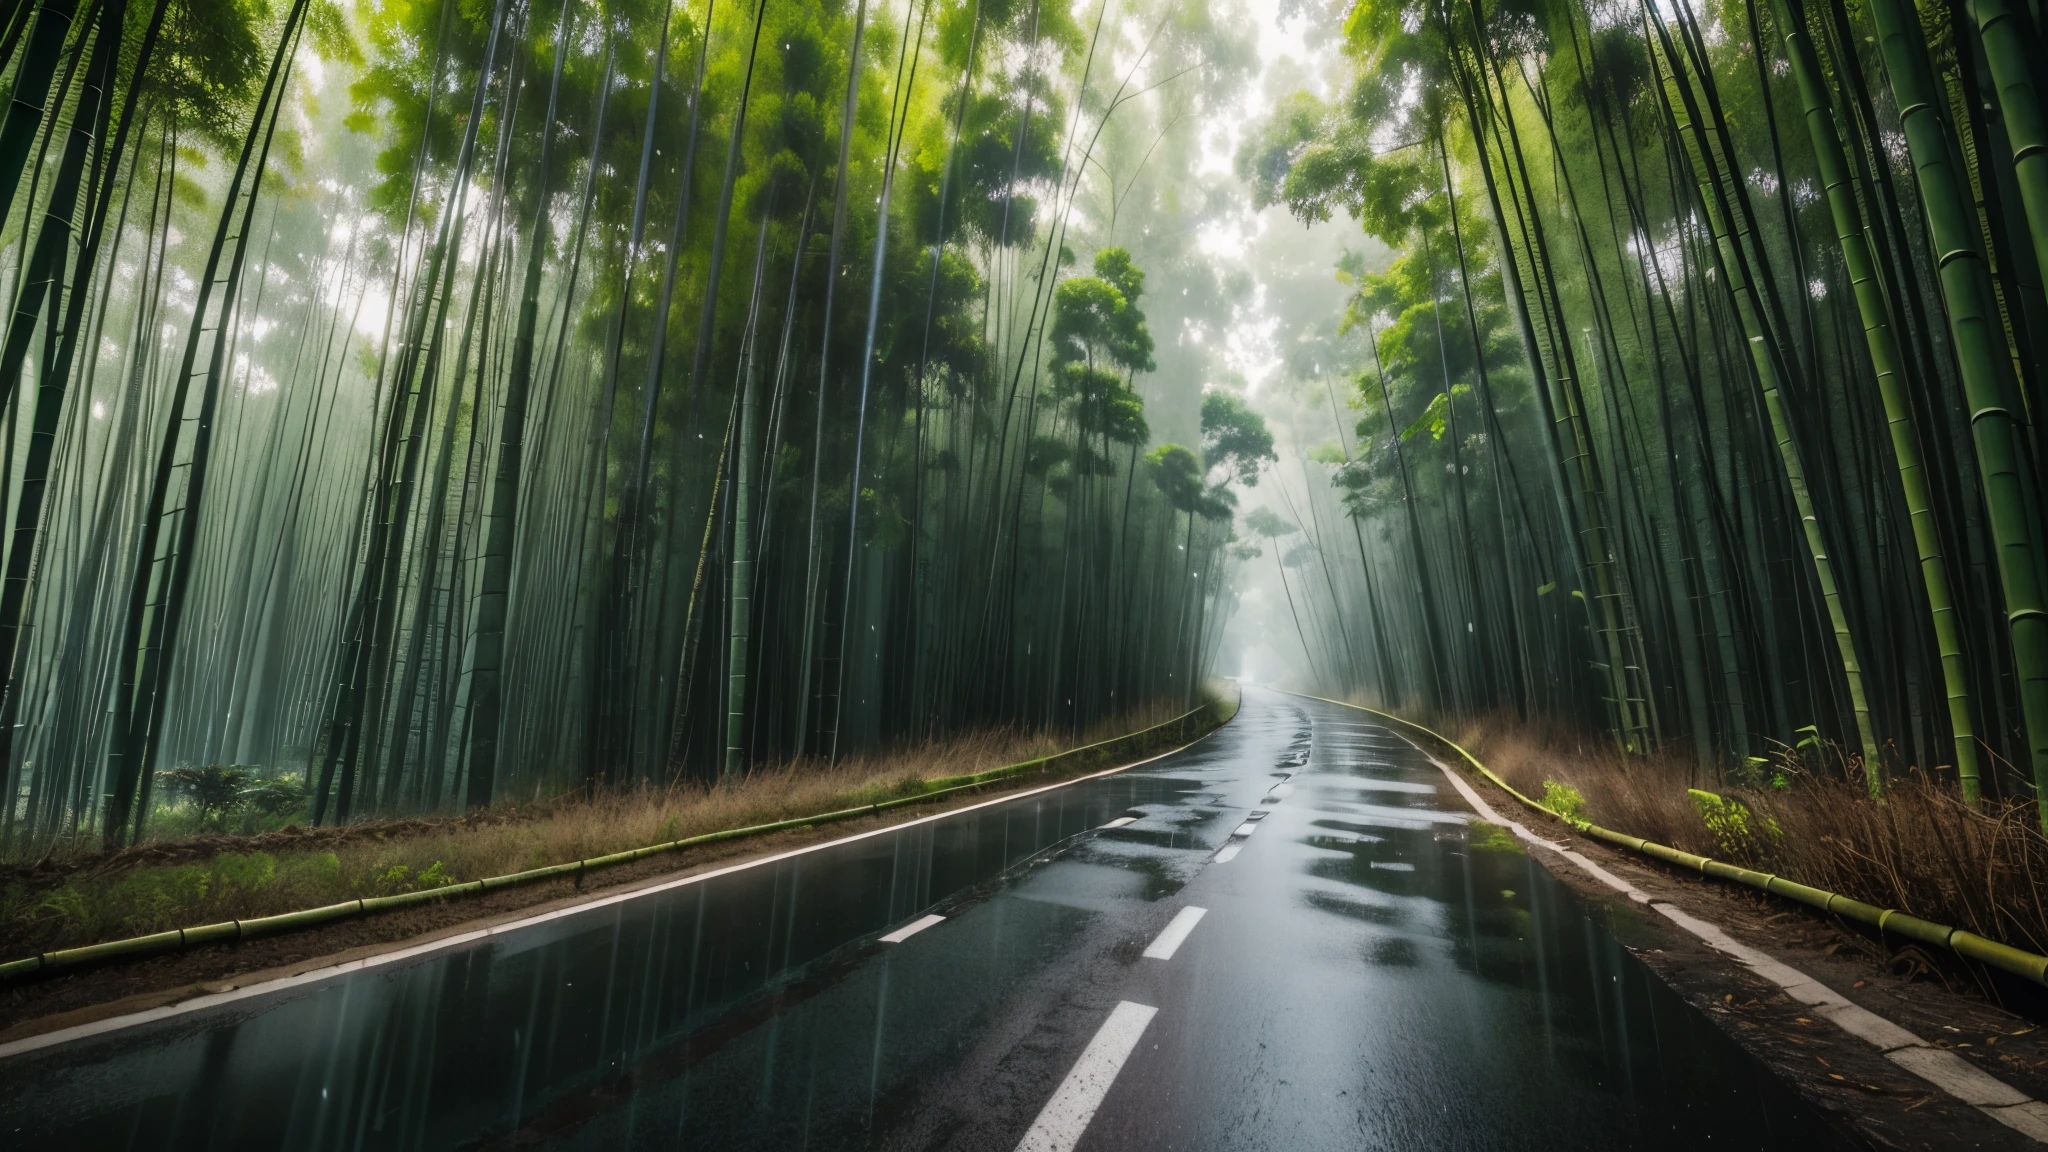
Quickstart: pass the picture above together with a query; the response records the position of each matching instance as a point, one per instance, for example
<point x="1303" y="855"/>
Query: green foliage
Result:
<point x="400" y="878"/>
<point x="210" y="63"/>
<point x="1434" y="419"/>
<point x="1564" y="800"/>
<point x="215" y="790"/>
<point x="1179" y="475"/>
<point x="1007" y="151"/>
<point x="153" y="899"/>
<point x="277" y="796"/>
<point x="1267" y="157"/>
<point x="1235" y="438"/>
<point x="1765" y="772"/>
<point x="1098" y="342"/>
<point x="1265" y="522"/>
<point x="1737" y="834"/>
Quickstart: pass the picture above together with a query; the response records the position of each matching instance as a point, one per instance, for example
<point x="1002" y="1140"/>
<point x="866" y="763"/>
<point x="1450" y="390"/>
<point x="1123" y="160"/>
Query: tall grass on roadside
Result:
<point x="160" y="885"/>
<point x="1922" y="850"/>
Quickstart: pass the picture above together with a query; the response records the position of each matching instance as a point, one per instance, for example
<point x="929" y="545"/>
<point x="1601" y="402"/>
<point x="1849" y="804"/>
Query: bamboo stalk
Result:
<point x="2015" y="532"/>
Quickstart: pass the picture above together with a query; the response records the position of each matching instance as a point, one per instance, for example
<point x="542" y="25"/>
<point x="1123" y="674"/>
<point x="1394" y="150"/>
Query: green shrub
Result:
<point x="143" y="901"/>
<point x="232" y="885"/>
<point x="393" y="880"/>
<point x="236" y="874"/>
<point x="215" y="790"/>
<point x="1732" y="825"/>
<point x="1564" y="800"/>
<point x="305" y="881"/>
<point x="277" y="797"/>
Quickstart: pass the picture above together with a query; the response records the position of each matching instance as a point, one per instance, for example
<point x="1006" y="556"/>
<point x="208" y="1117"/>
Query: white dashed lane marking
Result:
<point x="912" y="929"/>
<point x="1170" y="939"/>
<point x="1065" y="1117"/>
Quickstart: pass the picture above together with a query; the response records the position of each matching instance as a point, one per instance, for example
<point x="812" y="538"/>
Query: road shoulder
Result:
<point x="89" y="995"/>
<point x="1842" y="1075"/>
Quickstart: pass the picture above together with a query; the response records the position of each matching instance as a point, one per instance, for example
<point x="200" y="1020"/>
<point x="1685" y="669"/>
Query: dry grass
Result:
<point x="1921" y="851"/>
<point x="91" y="897"/>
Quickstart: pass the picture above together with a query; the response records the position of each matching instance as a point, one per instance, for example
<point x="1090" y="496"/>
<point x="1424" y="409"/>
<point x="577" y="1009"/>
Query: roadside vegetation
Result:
<point x="1804" y="813"/>
<point x="88" y="895"/>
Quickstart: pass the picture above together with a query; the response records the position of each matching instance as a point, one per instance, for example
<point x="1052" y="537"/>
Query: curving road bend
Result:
<point x="1286" y="936"/>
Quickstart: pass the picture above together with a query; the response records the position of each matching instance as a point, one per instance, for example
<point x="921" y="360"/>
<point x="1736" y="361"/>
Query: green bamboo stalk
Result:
<point x="1574" y="478"/>
<point x="1751" y="314"/>
<point x="1979" y="344"/>
<point x="26" y="110"/>
<point x="501" y="518"/>
<point x="1888" y="366"/>
<point x="741" y="595"/>
<point x="139" y="703"/>
<point x="2013" y="68"/>
<point x="41" y="286"/>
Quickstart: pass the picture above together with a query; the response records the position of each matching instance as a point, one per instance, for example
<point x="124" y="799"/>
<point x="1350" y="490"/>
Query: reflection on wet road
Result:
<point x="1367" y="970"/>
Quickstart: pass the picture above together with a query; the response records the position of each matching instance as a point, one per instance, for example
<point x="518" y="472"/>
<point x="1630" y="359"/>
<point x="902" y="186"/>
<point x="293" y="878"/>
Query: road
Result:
<point x="1287" y="936"/>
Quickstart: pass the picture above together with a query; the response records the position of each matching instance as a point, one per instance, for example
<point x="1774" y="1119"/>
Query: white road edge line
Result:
<point x="1065" y="1117"/>
<point x="913" y="928"/>
<point x="1245" y="829"/>
<point x="1228" y="853"/>
<point x="1118" y="823"/>
<point x="1938" y="1066"/>
<point x="1175" y="932"/>
<point x="449" y="943"/>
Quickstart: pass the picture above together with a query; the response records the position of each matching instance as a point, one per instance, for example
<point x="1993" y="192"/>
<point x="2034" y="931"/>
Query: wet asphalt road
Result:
<point x="1367" y="971"/>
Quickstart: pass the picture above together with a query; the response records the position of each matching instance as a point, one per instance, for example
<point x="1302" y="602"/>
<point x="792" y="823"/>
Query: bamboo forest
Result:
<point x="433" y="405"/>
<point x="453" y="446"/>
